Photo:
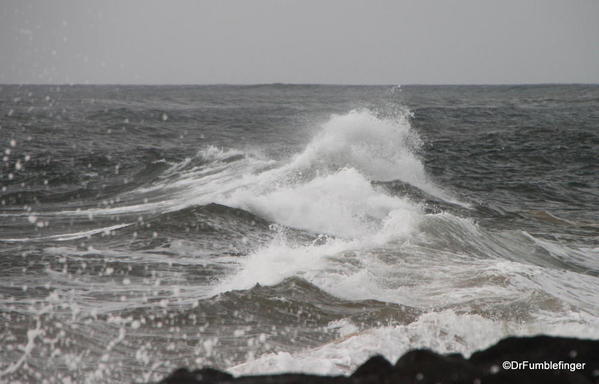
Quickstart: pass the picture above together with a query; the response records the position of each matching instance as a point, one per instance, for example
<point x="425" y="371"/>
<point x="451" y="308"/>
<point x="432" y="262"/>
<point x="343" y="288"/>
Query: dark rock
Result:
<point x="427" y="367"/>
<point x="204" y="375"/>
<point x="375" y="366"/>
<point x="180" y="376"/>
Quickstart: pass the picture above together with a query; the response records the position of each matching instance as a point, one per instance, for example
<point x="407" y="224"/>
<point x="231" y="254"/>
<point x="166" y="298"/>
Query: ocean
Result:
<point x="272" y="228"/>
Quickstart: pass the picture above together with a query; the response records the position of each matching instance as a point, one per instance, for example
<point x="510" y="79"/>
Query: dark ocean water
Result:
<point x="268" y="228"/>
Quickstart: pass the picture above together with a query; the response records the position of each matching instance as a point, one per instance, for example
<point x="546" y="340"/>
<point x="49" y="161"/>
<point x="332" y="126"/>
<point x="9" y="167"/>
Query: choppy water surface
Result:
<point x="272" y="228"/>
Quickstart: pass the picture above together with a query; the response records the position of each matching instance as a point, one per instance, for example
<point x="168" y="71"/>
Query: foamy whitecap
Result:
<point x="382" y="149"/>
<point x="343" y="204"/>
<point x="327" y="189"/>
<point x="443" y="332"/>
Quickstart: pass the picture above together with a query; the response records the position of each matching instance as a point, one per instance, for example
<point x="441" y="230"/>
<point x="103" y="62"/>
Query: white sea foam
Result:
<point x="443" y="332"/>
<point x="327" y="189"/>
<point x="343" y="204"/>
<point x="382" y="149"/>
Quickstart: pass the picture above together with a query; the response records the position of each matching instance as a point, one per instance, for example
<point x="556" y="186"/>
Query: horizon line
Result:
<point x="295" y="84"/>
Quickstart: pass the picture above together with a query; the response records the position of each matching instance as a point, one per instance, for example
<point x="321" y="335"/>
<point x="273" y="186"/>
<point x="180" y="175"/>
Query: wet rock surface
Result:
<point x="539" y="359"/>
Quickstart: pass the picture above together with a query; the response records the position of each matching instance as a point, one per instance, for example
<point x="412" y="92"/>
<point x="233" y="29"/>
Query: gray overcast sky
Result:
<point x="325" y="41"/>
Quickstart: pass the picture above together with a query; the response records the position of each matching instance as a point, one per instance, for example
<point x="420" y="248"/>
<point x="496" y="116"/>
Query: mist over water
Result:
<point x="275" y="228"/>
